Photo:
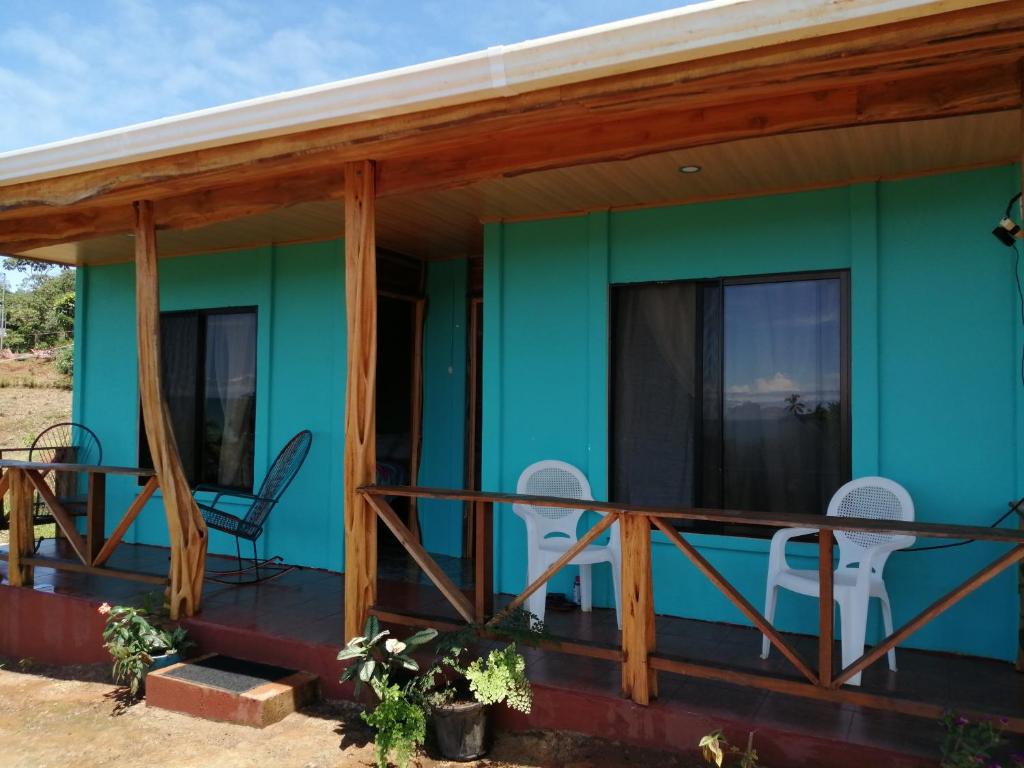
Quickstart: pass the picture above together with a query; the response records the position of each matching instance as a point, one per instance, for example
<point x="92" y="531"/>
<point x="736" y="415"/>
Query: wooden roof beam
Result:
<point x="880" y="53"/>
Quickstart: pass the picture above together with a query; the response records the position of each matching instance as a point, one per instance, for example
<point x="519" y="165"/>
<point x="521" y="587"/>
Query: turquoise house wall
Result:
<point x="936" y="401"/>
<point x="444" y="403"/>
<point x="299" y="295"/>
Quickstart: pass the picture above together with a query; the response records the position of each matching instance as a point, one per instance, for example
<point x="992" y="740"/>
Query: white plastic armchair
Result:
<point x="551" y="531"/>
<point x="862" y="558"/>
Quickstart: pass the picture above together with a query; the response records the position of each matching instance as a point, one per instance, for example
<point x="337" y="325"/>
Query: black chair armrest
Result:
<point x="219" y="493"/>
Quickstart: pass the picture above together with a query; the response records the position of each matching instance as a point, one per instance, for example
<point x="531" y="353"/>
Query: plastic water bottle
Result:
<point x="576" y="591"/>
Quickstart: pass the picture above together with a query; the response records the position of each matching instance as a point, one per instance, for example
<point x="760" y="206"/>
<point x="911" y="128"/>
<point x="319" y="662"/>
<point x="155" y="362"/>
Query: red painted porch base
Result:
<point x="65" y="629"/>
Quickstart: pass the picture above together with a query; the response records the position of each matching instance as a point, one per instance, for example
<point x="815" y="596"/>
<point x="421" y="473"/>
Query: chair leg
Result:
<point x="887" y="624"/>
<point x="770" y="598"/>
<point x="274" y="563"/>
<point x="586" y="589"/>
<point x="853" y="628"/>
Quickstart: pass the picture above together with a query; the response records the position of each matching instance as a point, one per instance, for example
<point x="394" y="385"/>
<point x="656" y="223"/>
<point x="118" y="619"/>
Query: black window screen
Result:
<point x="208" y="361"/>
<point x="654" y="385"/>
<point x="730" y="393"/>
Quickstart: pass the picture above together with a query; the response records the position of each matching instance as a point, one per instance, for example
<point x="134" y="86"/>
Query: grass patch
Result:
<point x="27" y="411"/>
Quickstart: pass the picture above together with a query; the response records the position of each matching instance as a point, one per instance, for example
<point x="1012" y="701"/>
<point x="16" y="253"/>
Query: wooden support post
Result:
<point x="639" y="679"/>
<point x="185" y="526"/>
<point x="483" y="559"/>
<point x="360" y="394"/>
<point x="826" y="608"/>
<point x="96" y="520"/>
<point x="416" y="416"/>
<point x="22" y="543"/>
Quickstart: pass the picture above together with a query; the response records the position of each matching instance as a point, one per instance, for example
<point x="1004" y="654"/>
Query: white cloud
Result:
<point x="777" y="384"/>
<point x="110" y="63"/>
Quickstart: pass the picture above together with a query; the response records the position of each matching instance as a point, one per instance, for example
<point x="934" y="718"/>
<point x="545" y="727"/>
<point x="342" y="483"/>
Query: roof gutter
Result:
<point x="683" y="34"/>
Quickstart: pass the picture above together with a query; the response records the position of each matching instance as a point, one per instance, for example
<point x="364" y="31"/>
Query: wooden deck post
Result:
<point x="22" y="542"/>
<point x="826" y="608"/>
<point x="639" y="679"/>
<point x="185" y="526"/>
<point x="483" y="559"/>
<point x="360" y="394"/>
<point x="96" y="515"/>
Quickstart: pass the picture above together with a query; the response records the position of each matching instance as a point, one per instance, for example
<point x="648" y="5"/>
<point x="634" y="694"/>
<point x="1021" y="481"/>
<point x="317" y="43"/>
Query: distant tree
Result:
<point x="15" y="264"/>
<point x="795" y="404"/>
<point x="42" y="312"/>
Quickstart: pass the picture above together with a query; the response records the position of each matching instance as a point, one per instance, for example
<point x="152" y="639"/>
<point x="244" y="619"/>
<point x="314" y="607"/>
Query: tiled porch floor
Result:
<point x="305" y="606"/>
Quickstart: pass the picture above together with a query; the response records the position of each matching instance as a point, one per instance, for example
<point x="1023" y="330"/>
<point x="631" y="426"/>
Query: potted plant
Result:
<point x="457" y="690"/>
<point x="463" y="685"/>
<point x="385" y="665"/>
<point x="137" y="645"/>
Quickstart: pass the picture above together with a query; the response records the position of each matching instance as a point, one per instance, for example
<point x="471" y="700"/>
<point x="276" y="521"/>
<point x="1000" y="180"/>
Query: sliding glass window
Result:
<point x="731" y="393"/>
<point x="208" y="359"/>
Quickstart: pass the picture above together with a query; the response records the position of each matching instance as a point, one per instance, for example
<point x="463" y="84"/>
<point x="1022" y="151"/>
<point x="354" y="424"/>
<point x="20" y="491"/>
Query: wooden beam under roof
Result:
<point x="464" y="154"/>
<point x="973" y="38"/>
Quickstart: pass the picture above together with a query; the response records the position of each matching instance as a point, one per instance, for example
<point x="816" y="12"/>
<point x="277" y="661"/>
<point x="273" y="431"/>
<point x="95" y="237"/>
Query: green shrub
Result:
<point x="64" y="362"/>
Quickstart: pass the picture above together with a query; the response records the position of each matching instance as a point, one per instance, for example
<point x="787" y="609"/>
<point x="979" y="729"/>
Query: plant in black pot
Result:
<point x="464" y="684"/>
<point x="386" y="666"/>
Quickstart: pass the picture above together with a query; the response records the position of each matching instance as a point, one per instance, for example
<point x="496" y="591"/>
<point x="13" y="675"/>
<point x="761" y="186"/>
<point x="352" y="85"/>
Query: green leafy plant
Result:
<point x="714" y="747"/>
<point x="386" y="666"/>
<point x="64" y="361"/>
<point x="459" y="675"/>
<point x="399" y="724"/>
<point x="501" y="678"/>
<point x="133" y="641"/>
<point x="969" y="743"/>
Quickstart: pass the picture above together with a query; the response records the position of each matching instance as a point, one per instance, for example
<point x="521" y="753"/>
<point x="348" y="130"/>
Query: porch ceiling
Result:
<point x="447" y="223"/>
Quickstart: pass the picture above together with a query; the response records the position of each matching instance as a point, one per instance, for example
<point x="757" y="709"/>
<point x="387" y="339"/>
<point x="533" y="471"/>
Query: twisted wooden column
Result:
<point x="360" y="394"/>
<point x="185" y="526"/>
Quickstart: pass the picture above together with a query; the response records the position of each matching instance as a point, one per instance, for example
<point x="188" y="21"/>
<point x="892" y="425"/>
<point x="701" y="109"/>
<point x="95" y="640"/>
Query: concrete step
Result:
<point x="217" y="687"/>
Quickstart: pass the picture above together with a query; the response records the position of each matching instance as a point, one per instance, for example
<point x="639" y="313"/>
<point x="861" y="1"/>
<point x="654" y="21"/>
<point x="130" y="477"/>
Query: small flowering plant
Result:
<point x="385" y="665"/>
<point x="970" y="743"/>
<point x="133" y="641"/>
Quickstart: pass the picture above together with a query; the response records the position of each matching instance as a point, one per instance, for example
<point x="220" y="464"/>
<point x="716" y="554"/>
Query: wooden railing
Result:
<point x="637" y="651"/>
<point x="21" y="480"/>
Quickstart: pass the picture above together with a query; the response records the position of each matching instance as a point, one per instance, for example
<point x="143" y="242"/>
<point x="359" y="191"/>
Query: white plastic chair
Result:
<point x="862" y="557"/>
<point x="551" y="531"/>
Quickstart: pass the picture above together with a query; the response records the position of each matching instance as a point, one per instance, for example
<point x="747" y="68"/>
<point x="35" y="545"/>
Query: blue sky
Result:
<point x="68" y="68"/>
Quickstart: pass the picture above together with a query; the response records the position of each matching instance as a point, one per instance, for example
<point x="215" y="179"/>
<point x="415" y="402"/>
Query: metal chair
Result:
<point x="249" y="525"/>
<point x="64" y="443"/>
<point x="862" y="557"/>
<point x="551" y="532"/>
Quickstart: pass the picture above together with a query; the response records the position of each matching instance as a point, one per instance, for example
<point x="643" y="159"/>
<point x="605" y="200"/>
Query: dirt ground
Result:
<point x="56" y="717"/>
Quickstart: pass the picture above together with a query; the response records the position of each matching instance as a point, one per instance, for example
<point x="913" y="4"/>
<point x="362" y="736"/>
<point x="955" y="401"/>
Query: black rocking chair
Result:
<point x="250" y="525"/>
